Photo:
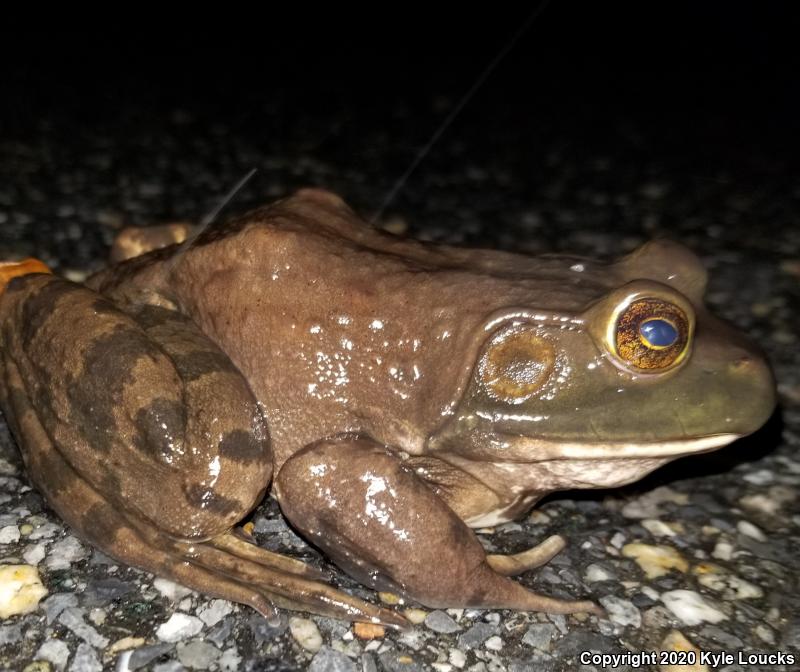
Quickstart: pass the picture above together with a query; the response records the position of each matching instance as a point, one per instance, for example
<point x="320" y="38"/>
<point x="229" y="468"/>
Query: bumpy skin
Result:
<point x="400" y="392"/>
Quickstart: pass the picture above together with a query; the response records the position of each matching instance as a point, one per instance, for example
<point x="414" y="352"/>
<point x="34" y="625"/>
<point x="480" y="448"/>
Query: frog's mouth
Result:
<point x="527" y="449"/>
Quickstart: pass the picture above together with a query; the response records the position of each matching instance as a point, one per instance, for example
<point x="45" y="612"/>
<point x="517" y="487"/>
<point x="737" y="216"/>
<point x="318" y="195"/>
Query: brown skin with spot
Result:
<point x="400" y="393"/>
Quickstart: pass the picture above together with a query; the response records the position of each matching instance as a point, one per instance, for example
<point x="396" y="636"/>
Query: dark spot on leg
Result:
<point x="107" y="369"/>
<point x="40" y="306"/>
<point x="201" y="362"/>
<point x="161" y="427"/>
<point x="204" y="498"/>
<point x="243" y="446"/>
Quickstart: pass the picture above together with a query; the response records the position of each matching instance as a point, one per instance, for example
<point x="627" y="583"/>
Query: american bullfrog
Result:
<point x="396" y="394"/>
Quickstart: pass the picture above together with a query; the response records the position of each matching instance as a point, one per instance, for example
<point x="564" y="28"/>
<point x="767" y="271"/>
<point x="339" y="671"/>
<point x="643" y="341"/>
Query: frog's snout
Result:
<point x="12" y="269"/>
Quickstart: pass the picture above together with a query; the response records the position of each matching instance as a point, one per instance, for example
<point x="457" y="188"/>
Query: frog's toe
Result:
<point x="541" y="554"/>
<point x="283" y="581"/>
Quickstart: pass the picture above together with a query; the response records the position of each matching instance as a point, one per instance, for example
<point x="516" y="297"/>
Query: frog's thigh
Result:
<point x="143" y="407"/>
<point x="381" y="523"/>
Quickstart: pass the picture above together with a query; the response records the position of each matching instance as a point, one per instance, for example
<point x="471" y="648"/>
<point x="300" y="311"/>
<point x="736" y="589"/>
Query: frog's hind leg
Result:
<point x="147" y="440"/>
<point x="133" y="241"/>
<point x="383" y="524"/>
<point x="517" y="563"/>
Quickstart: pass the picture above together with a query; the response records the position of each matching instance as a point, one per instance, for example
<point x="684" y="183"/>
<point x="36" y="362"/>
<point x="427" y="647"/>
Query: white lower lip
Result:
<point x="540" y="449"/>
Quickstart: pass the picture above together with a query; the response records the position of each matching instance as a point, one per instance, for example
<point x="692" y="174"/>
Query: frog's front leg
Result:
<point x="383" y="524"/>
<point x="147" y="440"/>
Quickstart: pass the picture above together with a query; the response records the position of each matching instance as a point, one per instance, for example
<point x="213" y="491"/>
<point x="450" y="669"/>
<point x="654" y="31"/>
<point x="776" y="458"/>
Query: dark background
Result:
<point x="698" y="85"/>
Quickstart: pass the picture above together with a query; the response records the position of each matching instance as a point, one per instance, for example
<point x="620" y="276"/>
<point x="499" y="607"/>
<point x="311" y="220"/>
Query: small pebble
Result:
<point x="540" y="636"/>
<point x="171" y="590"/>
<point x="658" y="528"/>
<point x="759" y="477"/>
<point x="723" y="550"/>
<point x="305" y="633"/>
<point x="197" y="654"/>
<point x="56" y="603"/>
<point x="20" y="590"/>
<point x="691" y="608"/>
<point x="213" y="612"/>
<point x="649" y="504"/>
<point x="621" y="611"/>
<point x="595" y="572"/>
<point x="415" y="616"/>
<point x="72" y="618"/>
<point x="85" y="660"/>
<point x="655" y="561"/>
<point x="494" y="643"/>
<point x="124" y="644"/>
<point x="457" y="658"/>
<point x="369" y="631"/>
<point x="390" y="598"/>
<point x="34" y="553"/>
<point x="230" y="660"/>
<point x="328" y="660"/>
<point x="765" y="634"/>
<point x="476" y="635"/>
<point x="179" y="626"/>
<point x="750" y="530"/>
<point x="63" y="553"/>
<point x="732" y="587"/>
<point x="440" y="622"/>
<point x="9" y="534"/>
<point x="54" y="651"/>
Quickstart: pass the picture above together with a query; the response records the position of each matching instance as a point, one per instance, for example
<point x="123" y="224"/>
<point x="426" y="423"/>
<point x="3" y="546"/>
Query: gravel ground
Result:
<point x="700" y="554"/>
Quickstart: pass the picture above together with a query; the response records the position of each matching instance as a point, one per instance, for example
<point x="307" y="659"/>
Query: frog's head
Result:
<point x="639" y="375"/>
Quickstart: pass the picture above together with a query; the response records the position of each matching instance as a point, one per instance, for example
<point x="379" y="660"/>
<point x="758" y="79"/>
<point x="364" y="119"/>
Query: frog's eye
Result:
<point x="651" y="334"/>
<point x="516" y="365"/>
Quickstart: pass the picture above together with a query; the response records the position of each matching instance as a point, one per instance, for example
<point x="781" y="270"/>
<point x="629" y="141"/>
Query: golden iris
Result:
<point x="652" y="334"/>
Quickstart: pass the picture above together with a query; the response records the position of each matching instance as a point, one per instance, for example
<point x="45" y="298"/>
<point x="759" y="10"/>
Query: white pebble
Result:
<point x="179" y="626"/>
<point x="55" y="651"/>
<point x="658" y="528"/>
<point x="457" y="658"/>
<point x="213" y="612"/>
<point x="44" y="531"/>
<point x="63" y="553"/>
<point x="620" y="611"/>
<point x="9" y="534"/>
<point x="306" y="633"/>
<point x="750" y="530"/>
<point x="723" y="551"/>
<point x="230" y="660"/>
<point x="618" y="540"/>
<point x="691" y="608"/>
<point x="760" y="477"/>
<point x="34" y="554"/>
<point x="171" y="590"/>
<point x="494" y="643"/>
<point x="20" y="590"/>
<point x="596" y="572"/>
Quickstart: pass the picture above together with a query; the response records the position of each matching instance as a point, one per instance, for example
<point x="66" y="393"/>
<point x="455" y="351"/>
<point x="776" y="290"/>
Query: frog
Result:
<point x="392" y="395"/>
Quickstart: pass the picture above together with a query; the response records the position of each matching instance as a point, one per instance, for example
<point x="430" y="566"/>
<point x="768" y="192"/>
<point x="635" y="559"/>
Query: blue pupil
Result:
<point x="658" y="333"/>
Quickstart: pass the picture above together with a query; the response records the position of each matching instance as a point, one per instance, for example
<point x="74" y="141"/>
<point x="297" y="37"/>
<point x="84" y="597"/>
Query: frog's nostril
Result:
<point x="742" y="363"/>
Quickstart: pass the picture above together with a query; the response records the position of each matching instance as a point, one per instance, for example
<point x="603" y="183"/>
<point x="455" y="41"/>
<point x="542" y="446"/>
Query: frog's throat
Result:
<point x="539" y="450"/>
<point x="13" y="269"/>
